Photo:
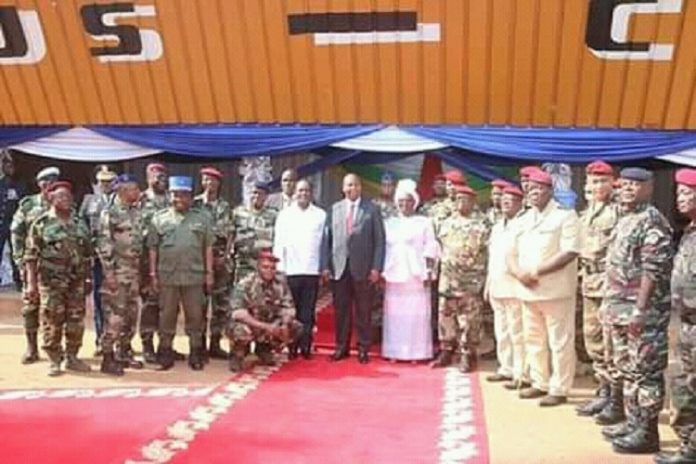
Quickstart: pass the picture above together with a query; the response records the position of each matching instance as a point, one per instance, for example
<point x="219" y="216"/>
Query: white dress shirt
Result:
<point x="297" y="243"/>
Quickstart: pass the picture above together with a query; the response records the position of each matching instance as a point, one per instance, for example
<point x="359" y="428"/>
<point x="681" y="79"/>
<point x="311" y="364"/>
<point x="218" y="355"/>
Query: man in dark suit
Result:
<point x="353" y="257"/>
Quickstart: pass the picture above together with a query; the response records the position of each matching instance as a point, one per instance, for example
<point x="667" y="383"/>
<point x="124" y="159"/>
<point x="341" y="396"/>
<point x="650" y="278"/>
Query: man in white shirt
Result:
<point x="297" y="244"/>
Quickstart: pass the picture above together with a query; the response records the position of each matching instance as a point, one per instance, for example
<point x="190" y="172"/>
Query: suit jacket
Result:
<point x="365" y="246"/>
<point x="275" y="200"/>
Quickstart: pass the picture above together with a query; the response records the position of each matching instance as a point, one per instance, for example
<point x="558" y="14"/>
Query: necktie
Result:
<point x="349" y="219"/>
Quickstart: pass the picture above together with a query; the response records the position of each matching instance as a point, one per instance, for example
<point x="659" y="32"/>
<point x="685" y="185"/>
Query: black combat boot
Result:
<point x="195" y="359"/>
<point x="468" y="363"/>
<point x="444" y="359"/>
<point x="612" y="432"/>
<point x="613" y="411"/>
<point x="127" y="358"/>
<point x="216" y="351"/>
<point x="265" y="354"/>
<point x="165" y="358"/>
<point x="55" y="361"/>
<point x="72" y="363"/>
<point x="235" y="363"/>
<point x="595" y="405"/>
<point x="110" y="366"/>
<point x="685" y="455"/>
<point x="149" y="349"/>
<point x="32" y="354"/>
<point x="644" y="439"/>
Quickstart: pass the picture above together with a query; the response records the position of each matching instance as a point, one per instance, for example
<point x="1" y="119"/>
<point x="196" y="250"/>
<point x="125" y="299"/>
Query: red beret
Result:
<point x="156" y="167"/>
<point x="599" y="168"/>
<point x="456" y="177"/>
<point x="267" y="255"/>
<point x="439" y="177"/>
<point x="527" y="170"/>
<point x="513" y="190"/>
<point x="208" y="171"/>
<point x="686" y="177"/>
<point x="60" y="184"/>
<point x="540" y="177"/>
<point x="500" y="183"/>
<point x="465" y="189"/>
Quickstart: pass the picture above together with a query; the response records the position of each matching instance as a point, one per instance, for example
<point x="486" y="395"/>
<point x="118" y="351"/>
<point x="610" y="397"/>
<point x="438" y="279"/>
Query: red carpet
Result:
<point x="79" y="430"/>
<point x="318" y="412"/>
<point x="325" y="336"/>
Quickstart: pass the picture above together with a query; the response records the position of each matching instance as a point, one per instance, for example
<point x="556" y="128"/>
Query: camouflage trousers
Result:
<point x="639" y="355"/>
<point x="459" y="323"/>
<point x="30" y="310"/>
<point x="684" y="387"/>
<point x="150" y="308"/>
<point x="120" y="312"/>
<point x="593" y="333"/>
<point x="62" y="306"/>
<point x="241" y="336"/>
<point x="218" y="301"/>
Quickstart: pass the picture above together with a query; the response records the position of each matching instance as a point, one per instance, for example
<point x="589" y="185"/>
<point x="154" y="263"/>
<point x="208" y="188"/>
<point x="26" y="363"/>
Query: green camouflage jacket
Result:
<point x="596" y="226"/>
<point x="29" y="209"/>
<point x="223" y="227"/>
<point x="253" y="231"/>
<point x="684" y="276"/>
<point x="265" y="301"/>
<point x="120" y="238"/>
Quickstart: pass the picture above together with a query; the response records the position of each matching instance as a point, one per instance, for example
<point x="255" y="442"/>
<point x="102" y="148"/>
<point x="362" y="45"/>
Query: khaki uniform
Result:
<point x="62" y="251"/>
<point x="253" y="232"/>
<point x="120" y="248"/>
<point x="548" y="309"/>
<point x="181" y="240"/>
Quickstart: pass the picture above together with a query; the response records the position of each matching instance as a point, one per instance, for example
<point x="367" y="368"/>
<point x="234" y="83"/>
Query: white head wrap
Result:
<point x="46" y="172"/>
<point x="407" y="188"/>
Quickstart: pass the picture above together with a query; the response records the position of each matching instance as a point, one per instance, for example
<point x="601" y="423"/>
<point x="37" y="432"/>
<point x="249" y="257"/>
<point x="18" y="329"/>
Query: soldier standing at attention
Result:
<point x="495" y="211"/>
<point x="636" y="308"/>
<point x="120" y="247"/>
<point x="284" y="198"/>
<point x="596" y="226"/>
<point x="262" y="311"/>
<point x="464" y="239"/>
<point x="151" y="200"/>
<point x="180" y="241"/>
<point x="684" y="303"/>
<point x="253" y="231"/>
<point x="29" y="209"/>
<point x="90" y="211"/>
<point x="385" y="201"/>
<point x="58" y="259"/>
<point x="221" y="213"/>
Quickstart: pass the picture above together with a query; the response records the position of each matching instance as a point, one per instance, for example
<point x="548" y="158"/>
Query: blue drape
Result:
<point x="15" y="135"/>
<point x="560" y="145"/>
<point x="231" y="140"/>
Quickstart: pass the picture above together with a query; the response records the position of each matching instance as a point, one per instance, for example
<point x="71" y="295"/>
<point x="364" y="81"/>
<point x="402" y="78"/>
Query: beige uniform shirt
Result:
<point x="500" y="283"/>
<point x="541" y="235"/>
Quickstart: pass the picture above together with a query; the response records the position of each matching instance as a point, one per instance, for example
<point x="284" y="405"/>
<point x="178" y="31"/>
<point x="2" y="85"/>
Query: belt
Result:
<point x="593" y="267"/>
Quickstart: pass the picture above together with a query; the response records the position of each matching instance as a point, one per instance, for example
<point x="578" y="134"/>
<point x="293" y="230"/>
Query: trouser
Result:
<point x="120" y="312"/>
<point x="4" y="239"/>
<point x="349" y="292"/>
<point x="593" y="333"/>
<point x="304" y="290"/>
<point x="98" y="277"/>
<point x="459" y="323"/>
<point x="377" y="312"/>
<point x="434" y="313"/>
<point x="218" y="302"/>
<point x="62" y="312"/>
<point x="30" y="309"/>
<point x="581" y="348"/>
<point x="507" y="314"/>
<point x="241" y="336"/>
<point x="684" y="387"/>
<point x="640" y="356"/>
<point x="191" y="298"/>
<point x="549" y="331"/>
<point x="149" y="309"/>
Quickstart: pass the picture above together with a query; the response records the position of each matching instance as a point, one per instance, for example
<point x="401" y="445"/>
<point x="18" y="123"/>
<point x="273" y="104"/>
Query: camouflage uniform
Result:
<point x="62" y="252"/>
<point x="640" y="245"/>
<point x="30" y="208"/>
<point x="269" y="302"/>
<point x="596" y="226"/>
<point x="253" y="232"/>
<point x="464" y="243"/>
<point x="150" y="203"/>
<point x="387" y="208"/>
<point x="684" y="301"/>
<point x="223" y="231"/>
<point x="120" y="248"/>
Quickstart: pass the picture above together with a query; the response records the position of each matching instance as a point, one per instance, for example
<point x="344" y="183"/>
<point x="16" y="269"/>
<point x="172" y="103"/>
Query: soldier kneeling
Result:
<point x="262" y="311"/>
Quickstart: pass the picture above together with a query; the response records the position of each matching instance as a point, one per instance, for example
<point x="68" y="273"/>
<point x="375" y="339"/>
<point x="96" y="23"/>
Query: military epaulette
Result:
<point x="26" y="202"/>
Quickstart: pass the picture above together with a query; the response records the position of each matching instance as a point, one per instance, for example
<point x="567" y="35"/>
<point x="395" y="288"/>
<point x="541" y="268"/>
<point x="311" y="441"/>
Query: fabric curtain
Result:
<point x="12" y="135"/>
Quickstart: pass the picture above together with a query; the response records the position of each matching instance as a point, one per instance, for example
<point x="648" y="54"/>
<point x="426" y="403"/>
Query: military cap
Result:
<point x="525" y="171"/>
<point x="637" y="174"/>
<point x="500" y="183"/>
<point x="60" y="184"/>
<point x="456" y="177"/>
<point x="212" y="172"/>
<point x="50" y="171"/>
<point x="126" y="179"/>
<point x="686" y="177"/>
<point x="439" y="177"/>
<point x="388" y="177"/>
<point x="513" y="190"/>
<point x="540" y="177"/>
<point x="267" y="255"/>
<point x="465" y="189"/>
<point x="262" y="186"/>
<point x="156" y="167"/>
<point x="181" y="183"/>
<point x="599" y="168"/>
<point x="105" y="174"/>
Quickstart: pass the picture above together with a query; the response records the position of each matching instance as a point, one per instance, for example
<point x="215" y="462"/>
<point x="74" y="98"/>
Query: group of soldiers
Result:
<point x="146" y="254"/>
